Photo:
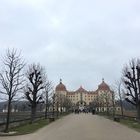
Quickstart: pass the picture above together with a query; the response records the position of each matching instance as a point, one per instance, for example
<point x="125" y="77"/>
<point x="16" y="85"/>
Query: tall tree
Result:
<point x="34" y="88"/>
<point x="120" y="93"/>
<point x="48" y="90"/>
<point x="53" y="104"/>
<point x="67" y="104"/>
<point x="11" y="79"/>
<point x="131" y="79"/>
<point x="113" y="104"/>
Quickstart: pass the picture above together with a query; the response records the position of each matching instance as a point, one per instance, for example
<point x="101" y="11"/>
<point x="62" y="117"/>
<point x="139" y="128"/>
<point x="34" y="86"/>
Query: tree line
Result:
<point x="127" y="89"/>
<point x="17" y="79"/>
<point x="21" y="81"/>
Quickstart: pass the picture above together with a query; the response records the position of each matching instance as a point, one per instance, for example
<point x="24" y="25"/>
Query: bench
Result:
<point x="117" y="119"/>
<point x="51" y="118"/>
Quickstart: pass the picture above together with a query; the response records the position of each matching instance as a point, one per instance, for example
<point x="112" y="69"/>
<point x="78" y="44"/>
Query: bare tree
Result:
<point x="62" y="103"/>
<point x="120" y="93"/>
<point x="48" y="90"/>
<point x="11" y="79"/>
<point x="131" y="79"/>
<point x="104" y="102"/>
<point x="57" y="104"/>
<point x="97" y="103"/>
<point x="113" y="103"/>
<point x="53" y="104"/>
<point x="67" y="104"/>
<point x="34" y="88"/>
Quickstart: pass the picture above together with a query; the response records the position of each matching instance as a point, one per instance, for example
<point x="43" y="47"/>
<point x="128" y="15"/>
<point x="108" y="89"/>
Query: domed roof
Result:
<point x="60" y="87"/>
<point x="103" y="86"/>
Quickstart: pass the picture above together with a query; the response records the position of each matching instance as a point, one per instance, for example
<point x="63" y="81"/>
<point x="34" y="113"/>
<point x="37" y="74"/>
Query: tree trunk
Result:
<point x="46" y="106"/>
<point x="107" y="109"/>
<point x="46" y="112"/>
<point x="121" y="103"/>
<point x="57" y="110"/>
<point x="33" y="114"/>
<point x="61" y="110"/>
<point x="8" y="117"/>
<point x="121" y="107"/>
<point x="114" y="110"/>
<point x="138" y="112"/>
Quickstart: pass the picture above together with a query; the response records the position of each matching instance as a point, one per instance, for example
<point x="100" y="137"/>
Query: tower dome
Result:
<point x="60" y="86"/>
<point x="103" y="86"/>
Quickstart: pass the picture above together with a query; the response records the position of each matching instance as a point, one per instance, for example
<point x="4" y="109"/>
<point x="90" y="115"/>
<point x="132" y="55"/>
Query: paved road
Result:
<point x="81" y="127"/>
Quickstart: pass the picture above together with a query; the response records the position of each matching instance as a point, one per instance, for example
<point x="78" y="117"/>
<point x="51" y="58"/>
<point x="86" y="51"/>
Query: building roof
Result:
<point x="60" y="87"/>
<point x="81" y="89"/>
<point x="103" y="86"/>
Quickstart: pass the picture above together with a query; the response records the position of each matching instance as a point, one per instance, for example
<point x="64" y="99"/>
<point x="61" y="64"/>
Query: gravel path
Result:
<point x="81" y="127"/>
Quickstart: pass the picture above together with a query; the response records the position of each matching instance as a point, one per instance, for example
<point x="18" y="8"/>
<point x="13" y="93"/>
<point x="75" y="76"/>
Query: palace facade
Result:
<point x="100" y="98"/>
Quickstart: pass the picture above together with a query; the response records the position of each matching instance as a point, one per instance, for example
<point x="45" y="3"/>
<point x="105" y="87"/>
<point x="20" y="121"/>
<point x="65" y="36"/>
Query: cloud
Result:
<point x="79" y="41"/>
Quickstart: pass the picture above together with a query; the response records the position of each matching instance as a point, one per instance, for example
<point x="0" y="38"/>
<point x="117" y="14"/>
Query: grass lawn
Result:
<point x="127" y="122"/>
<point x="131" y="123"/>
<point x="30" y="128"/>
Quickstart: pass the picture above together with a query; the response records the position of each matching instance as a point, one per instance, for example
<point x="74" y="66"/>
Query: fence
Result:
<point x="17" y="119"/>
<point x="131" y="115"/>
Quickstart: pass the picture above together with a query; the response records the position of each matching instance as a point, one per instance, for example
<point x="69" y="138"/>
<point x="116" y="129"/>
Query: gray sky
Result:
<point x="80" y="41"/>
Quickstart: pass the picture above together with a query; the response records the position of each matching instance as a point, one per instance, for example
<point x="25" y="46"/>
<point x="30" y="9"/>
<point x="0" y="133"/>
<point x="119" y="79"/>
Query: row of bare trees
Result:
<point x="63" y="103"/>
<point x="104" y="102"/>
<point x="126" y="89"/>
<point x="16" y="82"/>
<point x="131" y="81"/>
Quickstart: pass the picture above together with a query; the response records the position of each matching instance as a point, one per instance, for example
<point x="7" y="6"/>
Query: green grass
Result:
<point x="30" y="128"/>
<point x="127" y="122"/>
<point x="131" y="123"/>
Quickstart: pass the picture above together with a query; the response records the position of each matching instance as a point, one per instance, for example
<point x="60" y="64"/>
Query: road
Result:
<point x="81" y="127"/>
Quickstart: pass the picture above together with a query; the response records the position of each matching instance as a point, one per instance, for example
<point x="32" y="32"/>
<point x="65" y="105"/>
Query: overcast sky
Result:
<point x="80" y="41"/>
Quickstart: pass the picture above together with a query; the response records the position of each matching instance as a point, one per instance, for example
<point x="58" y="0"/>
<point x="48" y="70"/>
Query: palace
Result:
<point x="101" y="98"/>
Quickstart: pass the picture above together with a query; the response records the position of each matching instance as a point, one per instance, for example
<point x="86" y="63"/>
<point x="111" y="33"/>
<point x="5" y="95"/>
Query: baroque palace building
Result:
<point x="101" y="98"/>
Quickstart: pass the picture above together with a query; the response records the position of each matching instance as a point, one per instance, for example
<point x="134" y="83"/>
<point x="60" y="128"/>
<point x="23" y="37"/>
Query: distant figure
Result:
<point x="93" y="111"/>
<point x="85" y="110"/>
<point x="76" y="111"/>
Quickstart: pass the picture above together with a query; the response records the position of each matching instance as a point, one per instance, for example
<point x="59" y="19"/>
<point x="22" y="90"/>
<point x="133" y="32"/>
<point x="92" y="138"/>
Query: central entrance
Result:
<point x="81" y="105"/>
